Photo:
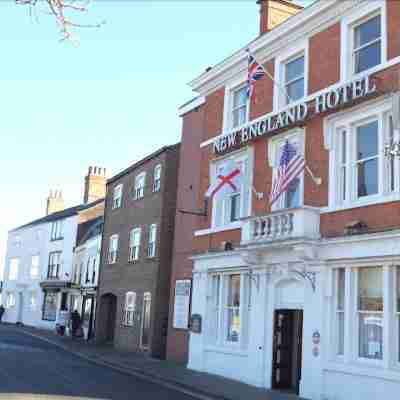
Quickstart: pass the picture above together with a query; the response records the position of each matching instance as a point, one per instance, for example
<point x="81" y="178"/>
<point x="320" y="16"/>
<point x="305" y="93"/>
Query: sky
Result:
<point x="108" y="102"/>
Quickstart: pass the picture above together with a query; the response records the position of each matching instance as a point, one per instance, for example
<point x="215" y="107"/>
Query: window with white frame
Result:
<point x="240" y="104"/>
<point x="134" y="244"/>
<point x="13" y="269"/>
<point x="34" y="270"/>
<point x="235" y="205"/>
<point x="361" y="173"/>
<point x="340" y="279"/>
<point x="54" y="267"/>
<point x="140" y="182"/>
<point x="229" y="309"/>
<point x="57" y="230"/>
<point x="151" y="248"/>
<point x="129" y="308"/>
<point x="367" y="43"/>
<point x="113" y="249"/>
<point x="10" y="300"/>
<point x="294" y="78"/>
<point x="157" y="178"/>
<point x="117" y="196"/>
<point x="293" y="195"/>
<point x="370" y="312"/>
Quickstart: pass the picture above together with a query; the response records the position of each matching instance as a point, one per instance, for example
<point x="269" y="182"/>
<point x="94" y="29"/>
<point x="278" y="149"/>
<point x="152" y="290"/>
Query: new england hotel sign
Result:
<point x="329" y="100"/>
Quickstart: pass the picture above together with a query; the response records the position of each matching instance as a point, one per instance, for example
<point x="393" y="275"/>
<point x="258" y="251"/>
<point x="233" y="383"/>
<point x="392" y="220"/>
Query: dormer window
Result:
<point x="239" y="107"/>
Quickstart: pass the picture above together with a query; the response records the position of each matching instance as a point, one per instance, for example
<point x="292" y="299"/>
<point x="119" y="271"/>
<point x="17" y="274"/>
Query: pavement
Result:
<point x="162" y="374"/>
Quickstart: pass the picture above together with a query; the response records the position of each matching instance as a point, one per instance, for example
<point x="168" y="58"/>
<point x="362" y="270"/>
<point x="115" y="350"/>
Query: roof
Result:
<point x="68" y="212"/>
<point x="143" y="161"/>
<point x="89" y="229"/>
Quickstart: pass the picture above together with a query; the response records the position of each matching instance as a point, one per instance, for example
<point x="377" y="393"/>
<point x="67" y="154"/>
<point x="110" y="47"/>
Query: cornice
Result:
<point x="305" y="24"/>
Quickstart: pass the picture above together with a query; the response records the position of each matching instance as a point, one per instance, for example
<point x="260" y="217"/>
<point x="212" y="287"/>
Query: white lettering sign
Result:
<point x="182" y="304"/>
<point x="326" y="101"/>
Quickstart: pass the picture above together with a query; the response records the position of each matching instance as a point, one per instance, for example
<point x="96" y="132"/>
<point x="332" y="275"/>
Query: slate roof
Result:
<point x="68" y="212"/>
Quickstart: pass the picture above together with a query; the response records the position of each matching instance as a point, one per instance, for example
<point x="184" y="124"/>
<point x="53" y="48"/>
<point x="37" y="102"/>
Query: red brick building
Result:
<point x="312" y="281"/>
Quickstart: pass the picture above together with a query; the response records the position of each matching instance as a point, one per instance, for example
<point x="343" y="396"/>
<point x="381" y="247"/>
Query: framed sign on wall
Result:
<point x="182" y="303"/>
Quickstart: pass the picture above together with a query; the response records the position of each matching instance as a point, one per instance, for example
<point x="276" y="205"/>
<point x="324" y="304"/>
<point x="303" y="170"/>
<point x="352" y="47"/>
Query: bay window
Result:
<point x="229" y="307"/>
<point x="370" y="313"/>
<point x="340" y="275"/>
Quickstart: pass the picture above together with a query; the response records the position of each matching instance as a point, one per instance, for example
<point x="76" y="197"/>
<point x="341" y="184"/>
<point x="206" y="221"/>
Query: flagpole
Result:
<point x="271" y="77"/>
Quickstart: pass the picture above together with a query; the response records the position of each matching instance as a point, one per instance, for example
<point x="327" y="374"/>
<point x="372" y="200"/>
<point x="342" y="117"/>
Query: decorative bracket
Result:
<point x="307" y="275"/>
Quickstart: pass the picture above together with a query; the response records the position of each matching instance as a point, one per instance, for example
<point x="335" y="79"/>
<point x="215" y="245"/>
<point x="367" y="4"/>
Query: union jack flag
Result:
<point x="255" y="72"/>
<point x="291" y="165"/>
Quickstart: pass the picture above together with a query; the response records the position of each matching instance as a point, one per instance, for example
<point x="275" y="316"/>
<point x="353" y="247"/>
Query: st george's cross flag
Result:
<point x="291" y="165"/>
<point x="228" y="180"/>
<point x="255" y="72"/>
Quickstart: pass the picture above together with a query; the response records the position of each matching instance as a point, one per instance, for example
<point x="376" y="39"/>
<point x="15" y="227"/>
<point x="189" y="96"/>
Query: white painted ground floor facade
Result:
<point x="317" y="316"/>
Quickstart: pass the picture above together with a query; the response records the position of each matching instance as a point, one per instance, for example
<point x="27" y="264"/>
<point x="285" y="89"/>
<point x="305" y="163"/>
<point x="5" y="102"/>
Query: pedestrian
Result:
<point x="62" y="321"/>
<point x="2" y="309"/>
<point x="75" y="323"/>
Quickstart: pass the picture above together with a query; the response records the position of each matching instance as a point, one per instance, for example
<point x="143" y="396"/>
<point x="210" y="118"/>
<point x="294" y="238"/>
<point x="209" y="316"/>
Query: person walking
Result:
<point x="75" y="323"/>
<point x="2" y="310"/>
<point x="62" y="321"/>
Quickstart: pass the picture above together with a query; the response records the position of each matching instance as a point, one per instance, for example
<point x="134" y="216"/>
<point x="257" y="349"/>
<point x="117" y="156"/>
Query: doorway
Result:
<point x="108" y="311"/>
<point x="145" y="334"/>
<point x="287" y="350"/>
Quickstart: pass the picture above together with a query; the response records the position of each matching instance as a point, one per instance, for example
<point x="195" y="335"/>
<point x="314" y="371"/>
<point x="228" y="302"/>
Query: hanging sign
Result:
<point x="326" y="101"/>
<point x="182" y="303"/>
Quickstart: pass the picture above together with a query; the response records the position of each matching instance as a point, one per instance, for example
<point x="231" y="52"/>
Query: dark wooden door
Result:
<point x="283" y="349"/>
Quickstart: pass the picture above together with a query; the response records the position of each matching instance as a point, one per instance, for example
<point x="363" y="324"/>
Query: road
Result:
<point x="33" y="369"/>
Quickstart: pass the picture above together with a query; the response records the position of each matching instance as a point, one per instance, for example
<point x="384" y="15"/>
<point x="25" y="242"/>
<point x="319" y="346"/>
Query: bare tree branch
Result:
<point x="59" y="10"/>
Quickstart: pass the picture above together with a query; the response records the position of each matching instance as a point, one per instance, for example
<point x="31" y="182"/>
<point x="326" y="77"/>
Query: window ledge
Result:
<point x="226" y="350"/>
<point x="230" y="227"/>
<point x="364" y="369"/>
<point x="374" y="200"/>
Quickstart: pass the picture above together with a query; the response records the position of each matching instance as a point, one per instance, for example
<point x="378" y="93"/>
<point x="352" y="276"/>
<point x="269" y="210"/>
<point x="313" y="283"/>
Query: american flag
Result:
<point x="255" y="72"/>
<point x="291" y="165"/>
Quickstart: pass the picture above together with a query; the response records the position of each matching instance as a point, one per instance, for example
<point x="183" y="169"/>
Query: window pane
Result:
<point x="367" y="57"/>
<point x="294" y="69"/>
<point x="370" y="289"/>
<point x="367" y="31"/>
<point x="367" y="178"/>
<point x="239" y="97"/>
<point x="370" y="339"/>
<point x="295" y="90"/>
<point x="233" y="325"/>
<point x="235" y="207"/>
<point x="367" y="140"/>
<point x="292" y="196"/>
<point x="234" y="291"/>
<point x="341" y="276"/>
<point x="340" y="326"/>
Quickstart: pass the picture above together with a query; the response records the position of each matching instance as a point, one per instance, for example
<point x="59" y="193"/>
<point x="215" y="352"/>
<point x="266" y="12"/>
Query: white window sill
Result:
<point x="229" y="227"/>
<point x="372" y="200"/>
<point x="226" y="350"/>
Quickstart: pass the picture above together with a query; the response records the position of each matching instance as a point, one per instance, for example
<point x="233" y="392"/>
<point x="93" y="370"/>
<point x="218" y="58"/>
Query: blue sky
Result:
<point x="108" y="102"/>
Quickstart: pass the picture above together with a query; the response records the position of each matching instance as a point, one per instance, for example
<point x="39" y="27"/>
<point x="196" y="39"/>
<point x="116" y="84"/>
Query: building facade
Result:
<point x="133" y="295"/>
<point x="302" y="295"/>
<point x="85" y="276"/>
<point x="39" y="261"/>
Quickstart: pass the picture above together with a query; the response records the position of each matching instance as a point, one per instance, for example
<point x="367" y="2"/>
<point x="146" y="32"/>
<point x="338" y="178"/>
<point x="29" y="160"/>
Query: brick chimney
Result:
<point x="95" y="184"/>
<point x="274" y="12"/>
<point x="55" y="202"/>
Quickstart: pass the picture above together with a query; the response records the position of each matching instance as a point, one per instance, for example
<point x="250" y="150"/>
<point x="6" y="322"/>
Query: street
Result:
<point x="33" y="369"/>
